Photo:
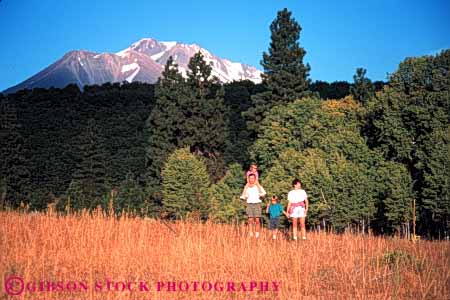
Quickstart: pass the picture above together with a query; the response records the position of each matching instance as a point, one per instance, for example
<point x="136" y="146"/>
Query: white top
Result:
<point x="296" y="196"/>
<point x="253" y="194"/>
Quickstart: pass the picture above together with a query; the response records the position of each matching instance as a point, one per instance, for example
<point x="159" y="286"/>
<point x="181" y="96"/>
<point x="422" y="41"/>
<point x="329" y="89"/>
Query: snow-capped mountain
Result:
<point x="224" y="69"/>
<point x="142" y="61"/>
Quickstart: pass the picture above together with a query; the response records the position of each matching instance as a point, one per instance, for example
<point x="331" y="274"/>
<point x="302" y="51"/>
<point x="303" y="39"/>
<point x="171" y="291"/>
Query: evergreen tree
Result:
<point x="185" y="185"/>
<point x="164" y="126"/>
<point x="131" y="198"/>
<point x="206" y="126"/>
<point x="88" y="188"/>
<point x="362" y="89"/>
<point x="285" y="75"/>
<point x="187" y="113"/>
<point x="199" y="76"/>
<point x="284" y="71"/>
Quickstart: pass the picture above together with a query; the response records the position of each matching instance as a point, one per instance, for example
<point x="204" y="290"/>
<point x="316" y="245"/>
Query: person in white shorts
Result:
<point x="297" y="207"/>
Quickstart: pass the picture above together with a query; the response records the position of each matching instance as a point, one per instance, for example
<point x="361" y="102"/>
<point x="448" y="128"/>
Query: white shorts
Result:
<point x="298" y="212"/>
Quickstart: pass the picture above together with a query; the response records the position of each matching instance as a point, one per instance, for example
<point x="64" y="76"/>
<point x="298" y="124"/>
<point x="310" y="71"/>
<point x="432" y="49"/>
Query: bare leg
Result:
<point x="303" y="228"/>
<point x="294" y="228"/>
<point x="258" y="226"/>
<point x="250" y="225"/>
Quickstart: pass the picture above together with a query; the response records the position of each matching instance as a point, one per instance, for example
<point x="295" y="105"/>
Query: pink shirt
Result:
<point x="250" y="172"/>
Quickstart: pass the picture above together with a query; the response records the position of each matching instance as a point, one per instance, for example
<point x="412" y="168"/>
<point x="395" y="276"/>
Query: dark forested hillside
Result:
<point x="50" y="123"/>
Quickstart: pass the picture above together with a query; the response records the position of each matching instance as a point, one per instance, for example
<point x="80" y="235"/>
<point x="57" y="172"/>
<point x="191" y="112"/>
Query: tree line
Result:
<point x="365" y="151"/>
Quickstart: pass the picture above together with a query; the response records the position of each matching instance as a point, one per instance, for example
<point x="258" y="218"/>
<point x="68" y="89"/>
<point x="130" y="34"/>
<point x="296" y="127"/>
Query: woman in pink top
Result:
<point x="297" y="208"/>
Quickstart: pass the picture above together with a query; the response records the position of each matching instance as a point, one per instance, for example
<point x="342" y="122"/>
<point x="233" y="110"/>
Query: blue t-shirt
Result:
<point x="275" y="210"/>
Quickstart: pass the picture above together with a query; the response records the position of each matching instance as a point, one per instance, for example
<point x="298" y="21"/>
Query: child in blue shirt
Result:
<point x="274" y="209"/>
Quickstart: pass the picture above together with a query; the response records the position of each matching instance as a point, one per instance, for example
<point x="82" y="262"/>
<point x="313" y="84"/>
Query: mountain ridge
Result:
<point x="142" y="61"/>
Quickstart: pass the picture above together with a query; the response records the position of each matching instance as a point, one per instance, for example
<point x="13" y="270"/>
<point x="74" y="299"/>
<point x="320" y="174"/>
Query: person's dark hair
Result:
<point x="295" y="181"/>
<point x="252" y="174"/>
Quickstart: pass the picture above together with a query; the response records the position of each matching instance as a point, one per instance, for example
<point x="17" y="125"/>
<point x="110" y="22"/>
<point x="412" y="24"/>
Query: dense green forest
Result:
<point x="365" y="151"/>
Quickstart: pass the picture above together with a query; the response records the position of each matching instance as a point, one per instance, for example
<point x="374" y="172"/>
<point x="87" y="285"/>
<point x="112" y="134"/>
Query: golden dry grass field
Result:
<point x="45" y="256"/>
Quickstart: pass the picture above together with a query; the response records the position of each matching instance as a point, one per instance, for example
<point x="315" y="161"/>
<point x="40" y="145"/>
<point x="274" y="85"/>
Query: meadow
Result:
<point x="95" y="256"/>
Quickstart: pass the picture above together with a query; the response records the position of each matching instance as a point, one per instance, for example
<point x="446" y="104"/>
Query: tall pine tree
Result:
<point x="187" y="113"/>
<point x="164" y="126"/>
<point x="285" y="75"/>
<point x="362" y="89"/>
<point x="206" y="130"/>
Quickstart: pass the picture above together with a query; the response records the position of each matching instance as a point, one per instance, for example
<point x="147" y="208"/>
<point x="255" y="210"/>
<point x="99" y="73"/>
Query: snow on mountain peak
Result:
<point x="133" y="66"/>
<point x="149" y="42"/>
<point x="129" y="67"/>
<point x="123" y="52"/>
<point x="143" y="61"/>
<point x="169" y="45"/>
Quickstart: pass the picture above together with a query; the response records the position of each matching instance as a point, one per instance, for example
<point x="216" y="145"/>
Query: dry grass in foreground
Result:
<point x="97" y="257"/>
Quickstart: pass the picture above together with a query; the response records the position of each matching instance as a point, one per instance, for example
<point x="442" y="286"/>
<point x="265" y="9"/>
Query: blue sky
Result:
<point x="339" y="36"/>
